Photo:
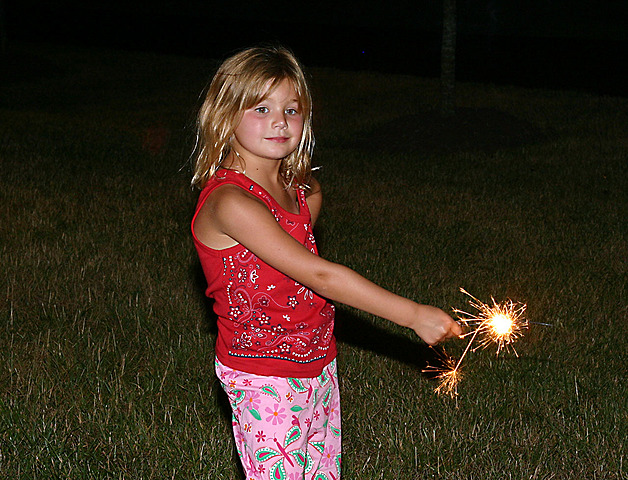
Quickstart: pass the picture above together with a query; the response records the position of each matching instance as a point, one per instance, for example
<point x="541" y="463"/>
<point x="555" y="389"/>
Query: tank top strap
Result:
<point x="225" y="176"/>
<point x="233" y="177"/>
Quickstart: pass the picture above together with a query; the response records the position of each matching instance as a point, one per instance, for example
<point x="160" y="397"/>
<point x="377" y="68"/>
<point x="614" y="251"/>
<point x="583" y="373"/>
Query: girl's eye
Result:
<point x="292" y="111"/>
<point x="261" y="109"/>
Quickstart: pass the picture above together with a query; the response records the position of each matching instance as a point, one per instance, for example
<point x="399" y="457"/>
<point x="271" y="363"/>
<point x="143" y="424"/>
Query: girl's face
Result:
<point x="271" y="129"/>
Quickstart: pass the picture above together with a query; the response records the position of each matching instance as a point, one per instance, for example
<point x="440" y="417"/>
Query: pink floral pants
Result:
<point x="285" y="428"/>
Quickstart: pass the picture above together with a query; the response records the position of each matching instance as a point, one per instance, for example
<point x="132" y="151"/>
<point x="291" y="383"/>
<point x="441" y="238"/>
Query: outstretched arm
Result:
<point x="245" y="219"/>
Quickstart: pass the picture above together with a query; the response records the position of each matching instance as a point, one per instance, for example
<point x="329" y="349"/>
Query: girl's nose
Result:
<point x="280" y="121"/>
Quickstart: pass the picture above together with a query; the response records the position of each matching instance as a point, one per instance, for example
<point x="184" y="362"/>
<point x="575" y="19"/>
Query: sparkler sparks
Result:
<point x="499" y="324"/>
<point x="448" y="375"/>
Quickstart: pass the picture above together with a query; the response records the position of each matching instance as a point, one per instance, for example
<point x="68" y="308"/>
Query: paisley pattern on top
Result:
<point x="263" y="315"/>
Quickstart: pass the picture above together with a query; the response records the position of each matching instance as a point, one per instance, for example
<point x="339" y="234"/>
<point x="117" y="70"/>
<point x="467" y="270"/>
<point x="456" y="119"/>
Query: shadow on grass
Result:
<point x="357" y="332"/>
<point x="209" y="321"/>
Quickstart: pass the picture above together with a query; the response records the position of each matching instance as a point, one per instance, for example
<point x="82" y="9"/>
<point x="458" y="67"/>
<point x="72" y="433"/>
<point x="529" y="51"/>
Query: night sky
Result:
<point x="555" y="43"/>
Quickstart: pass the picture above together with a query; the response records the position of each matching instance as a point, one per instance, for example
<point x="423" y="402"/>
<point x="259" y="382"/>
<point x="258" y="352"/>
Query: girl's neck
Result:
<point x="265" y="173"/>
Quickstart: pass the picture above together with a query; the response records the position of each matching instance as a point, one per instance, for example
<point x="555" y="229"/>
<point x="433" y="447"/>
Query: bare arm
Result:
<point x="247" y="221"/>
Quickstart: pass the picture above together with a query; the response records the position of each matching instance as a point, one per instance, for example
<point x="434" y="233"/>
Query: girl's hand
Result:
<point x="433" y="325"/>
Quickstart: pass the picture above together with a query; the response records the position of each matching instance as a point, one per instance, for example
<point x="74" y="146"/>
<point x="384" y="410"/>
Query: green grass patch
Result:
<point x="106" y="341"/>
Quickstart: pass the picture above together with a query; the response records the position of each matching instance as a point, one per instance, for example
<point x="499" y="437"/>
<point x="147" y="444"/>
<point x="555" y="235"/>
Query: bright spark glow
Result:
<point x="499" y="324"/>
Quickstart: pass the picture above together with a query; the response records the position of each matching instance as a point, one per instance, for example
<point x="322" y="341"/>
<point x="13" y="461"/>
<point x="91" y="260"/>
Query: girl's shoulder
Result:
<point x="228" y="206"/>
<point x="314" y="188"/>
<point x="230" y="198"/>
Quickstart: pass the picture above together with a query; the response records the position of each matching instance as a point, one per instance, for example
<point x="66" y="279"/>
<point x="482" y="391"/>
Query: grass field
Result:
<point x="107" y="342"/>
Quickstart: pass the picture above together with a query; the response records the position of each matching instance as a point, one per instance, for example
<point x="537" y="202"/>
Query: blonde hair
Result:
<point x="241" y="82"/>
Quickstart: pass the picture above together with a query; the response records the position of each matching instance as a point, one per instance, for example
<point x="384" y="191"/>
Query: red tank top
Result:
<point x="268" y="324"/>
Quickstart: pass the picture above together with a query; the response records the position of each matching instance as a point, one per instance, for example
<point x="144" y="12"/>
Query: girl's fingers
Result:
<point x="456" y="329"/>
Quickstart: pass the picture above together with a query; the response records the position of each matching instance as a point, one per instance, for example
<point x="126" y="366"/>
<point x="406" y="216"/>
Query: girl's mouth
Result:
<point x="277" y="139"/>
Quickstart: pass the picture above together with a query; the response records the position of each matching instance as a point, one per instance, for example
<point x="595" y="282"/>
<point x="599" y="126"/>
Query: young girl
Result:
<point x="275" y="352"/>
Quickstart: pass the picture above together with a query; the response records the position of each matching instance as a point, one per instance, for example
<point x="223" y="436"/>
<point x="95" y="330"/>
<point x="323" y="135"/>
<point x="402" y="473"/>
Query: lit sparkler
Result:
<point x="500" y="324"/>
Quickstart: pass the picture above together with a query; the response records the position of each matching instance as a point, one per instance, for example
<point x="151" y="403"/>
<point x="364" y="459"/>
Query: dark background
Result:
<point x="580" y="44"/>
